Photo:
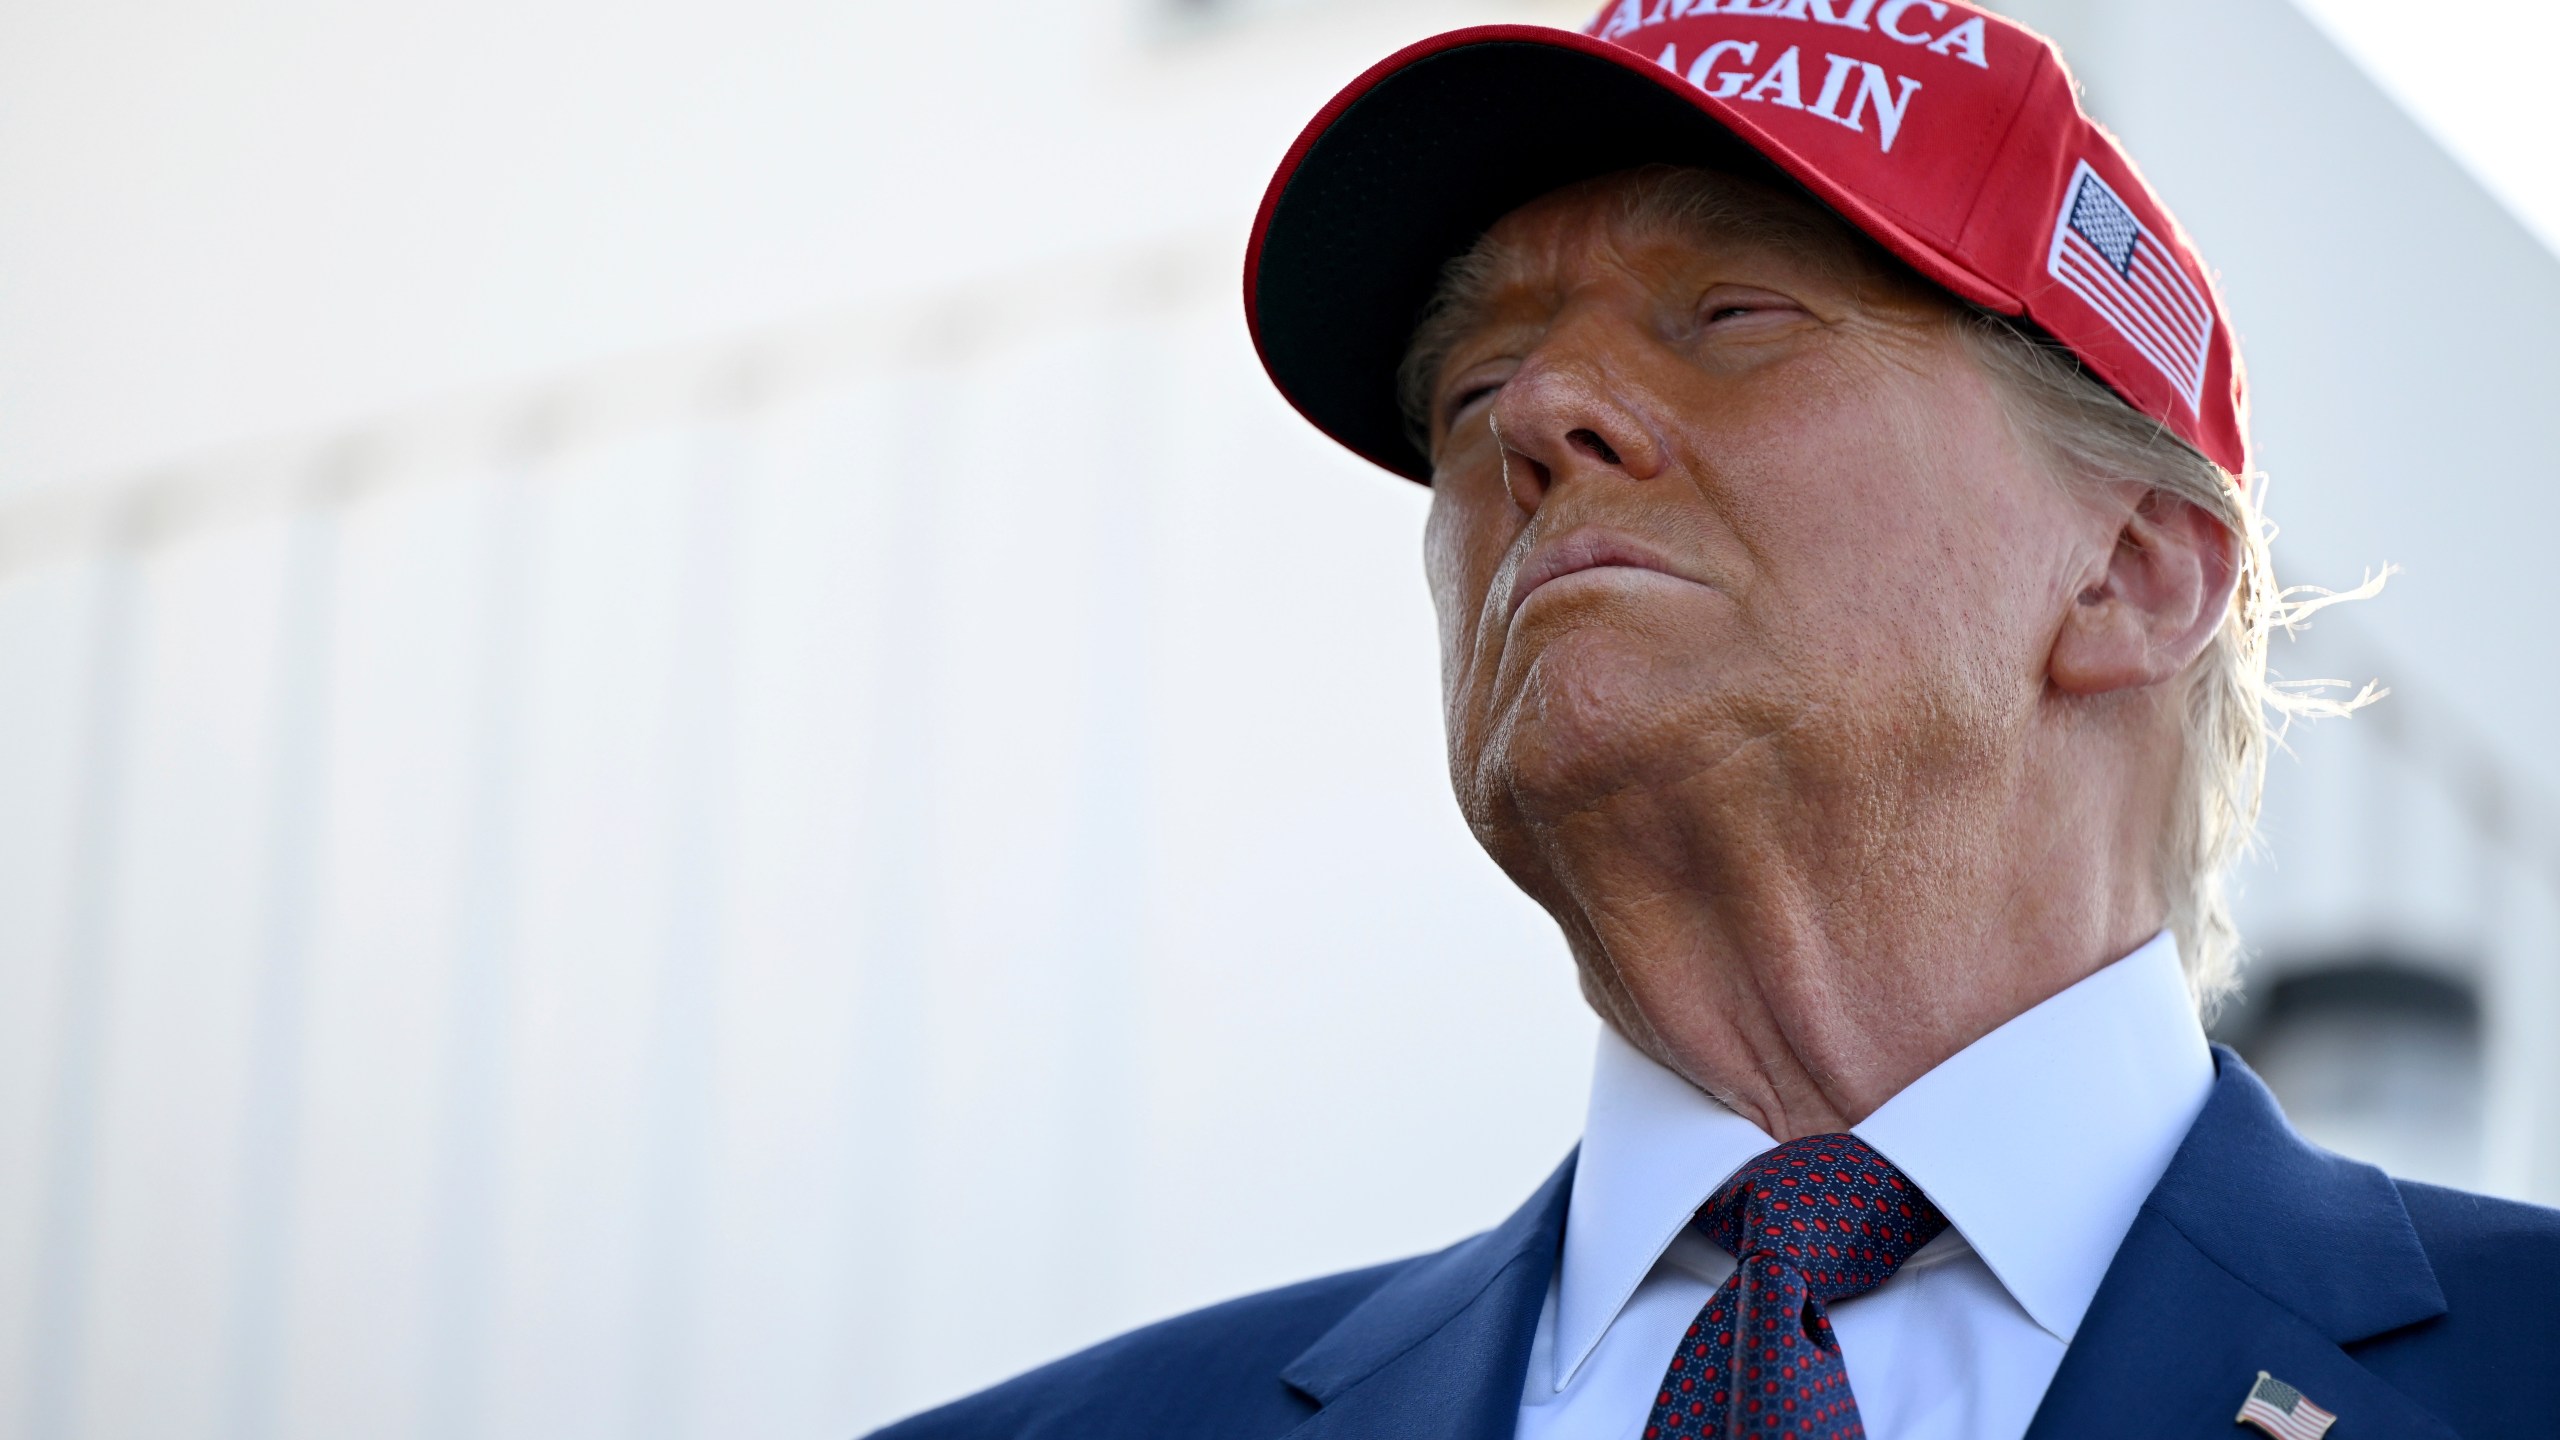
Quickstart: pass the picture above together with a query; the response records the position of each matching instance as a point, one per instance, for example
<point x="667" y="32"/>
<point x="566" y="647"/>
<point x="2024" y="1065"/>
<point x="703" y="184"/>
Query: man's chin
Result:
<point x="1593" y="719"/>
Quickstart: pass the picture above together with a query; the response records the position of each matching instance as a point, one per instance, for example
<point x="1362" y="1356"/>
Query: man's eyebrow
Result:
<point x="1696" y="208"/>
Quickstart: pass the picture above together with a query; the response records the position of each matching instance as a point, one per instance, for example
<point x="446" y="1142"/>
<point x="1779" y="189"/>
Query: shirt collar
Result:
<point x="2087" y="1093"/>
<point x="2084" y="1098"/>
<point x="1654" y="1147"/>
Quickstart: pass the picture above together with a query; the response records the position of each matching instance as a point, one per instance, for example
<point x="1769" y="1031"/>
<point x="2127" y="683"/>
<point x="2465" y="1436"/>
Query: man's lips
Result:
<point x="1580" y="550"/>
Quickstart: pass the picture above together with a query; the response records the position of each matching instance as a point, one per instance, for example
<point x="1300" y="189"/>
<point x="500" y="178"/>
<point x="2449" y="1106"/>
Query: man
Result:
<point x="1852" y="628"/>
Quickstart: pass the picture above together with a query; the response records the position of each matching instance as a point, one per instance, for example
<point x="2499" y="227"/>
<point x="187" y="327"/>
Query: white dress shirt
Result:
<point x="2039" y="1141"/>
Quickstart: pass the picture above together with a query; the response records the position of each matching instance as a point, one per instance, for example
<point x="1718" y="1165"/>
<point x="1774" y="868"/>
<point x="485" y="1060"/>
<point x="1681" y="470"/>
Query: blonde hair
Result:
<point x="2236" y="714"/>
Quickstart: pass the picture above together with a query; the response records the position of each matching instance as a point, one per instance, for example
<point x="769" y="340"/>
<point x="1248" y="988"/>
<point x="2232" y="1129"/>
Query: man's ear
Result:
<point x="2153" y="607"/>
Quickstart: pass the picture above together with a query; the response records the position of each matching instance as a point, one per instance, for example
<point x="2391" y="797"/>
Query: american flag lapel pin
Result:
<point x="2282" y="1411"/>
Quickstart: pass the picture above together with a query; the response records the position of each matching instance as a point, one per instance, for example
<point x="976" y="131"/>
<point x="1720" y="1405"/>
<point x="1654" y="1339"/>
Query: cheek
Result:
<point x="1443" y="557"/>
<point x="1913" y="534"/>
<point x="1463" y="542"/>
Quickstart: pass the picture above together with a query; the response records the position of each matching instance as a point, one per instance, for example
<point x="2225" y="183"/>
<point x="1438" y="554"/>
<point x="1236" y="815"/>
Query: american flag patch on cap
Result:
<point x="2281" y="1411"/>
<point x="2103" y="253"/>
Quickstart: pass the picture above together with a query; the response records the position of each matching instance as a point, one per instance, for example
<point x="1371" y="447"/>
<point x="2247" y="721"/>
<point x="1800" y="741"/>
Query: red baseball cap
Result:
<point x="1949" y="135"/>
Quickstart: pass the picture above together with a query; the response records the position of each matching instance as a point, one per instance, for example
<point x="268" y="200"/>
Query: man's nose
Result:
<point x="1559" y="419"/>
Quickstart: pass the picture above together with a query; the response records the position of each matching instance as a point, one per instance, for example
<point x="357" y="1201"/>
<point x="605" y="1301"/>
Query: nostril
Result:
<point x="1525" y="478"/>
<point x="1590" y="443"/>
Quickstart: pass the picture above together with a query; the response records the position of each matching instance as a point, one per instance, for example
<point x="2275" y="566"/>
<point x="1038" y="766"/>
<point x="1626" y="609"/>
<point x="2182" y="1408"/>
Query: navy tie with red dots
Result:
<point x="1812" y="1222"/>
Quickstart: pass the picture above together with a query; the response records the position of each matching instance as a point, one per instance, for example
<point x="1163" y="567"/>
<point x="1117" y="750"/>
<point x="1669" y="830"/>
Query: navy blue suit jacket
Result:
<point x="2406" y="1310"/>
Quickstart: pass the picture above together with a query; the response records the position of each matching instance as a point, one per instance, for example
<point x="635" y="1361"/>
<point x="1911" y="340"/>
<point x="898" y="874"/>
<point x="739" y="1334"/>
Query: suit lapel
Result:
<point x="2256" y="1251"/>
<point x="1438" y="1352"/>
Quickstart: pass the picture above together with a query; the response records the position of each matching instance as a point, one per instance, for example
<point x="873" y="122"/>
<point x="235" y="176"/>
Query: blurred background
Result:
<point x="686" y="750"/>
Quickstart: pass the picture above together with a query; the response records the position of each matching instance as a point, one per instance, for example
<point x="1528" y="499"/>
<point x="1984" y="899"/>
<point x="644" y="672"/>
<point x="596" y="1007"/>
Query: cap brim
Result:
<point x="1414" y="160"/>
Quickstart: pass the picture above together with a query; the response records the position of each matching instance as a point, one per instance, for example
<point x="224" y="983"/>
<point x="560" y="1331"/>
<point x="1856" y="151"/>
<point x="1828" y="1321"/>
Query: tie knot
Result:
<point x="1829" y="1207"/>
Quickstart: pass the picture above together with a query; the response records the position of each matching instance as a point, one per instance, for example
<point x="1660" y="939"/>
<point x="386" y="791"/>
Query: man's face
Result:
<point x="1724" y="499"/>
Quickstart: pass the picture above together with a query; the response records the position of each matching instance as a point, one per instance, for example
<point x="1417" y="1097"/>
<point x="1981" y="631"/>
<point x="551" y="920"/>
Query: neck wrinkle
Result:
<point x="1804" y="997"/>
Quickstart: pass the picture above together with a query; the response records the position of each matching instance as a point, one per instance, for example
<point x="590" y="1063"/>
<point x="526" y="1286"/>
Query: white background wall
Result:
<point x="685" y="749"/>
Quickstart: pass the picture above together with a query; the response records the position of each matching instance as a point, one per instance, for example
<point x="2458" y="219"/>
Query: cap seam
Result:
<point x="1999" y="154"/>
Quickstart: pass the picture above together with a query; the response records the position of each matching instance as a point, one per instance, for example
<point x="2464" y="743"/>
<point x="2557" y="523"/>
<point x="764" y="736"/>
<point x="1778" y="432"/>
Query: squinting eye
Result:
<point x="1722" y="311"/>
<point x="1468" y="397"/>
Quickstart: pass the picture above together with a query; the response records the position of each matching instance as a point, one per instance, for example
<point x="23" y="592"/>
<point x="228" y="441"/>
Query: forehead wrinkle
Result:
<point x="1539" y="251"/>
<point x="1604" y="221"/>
